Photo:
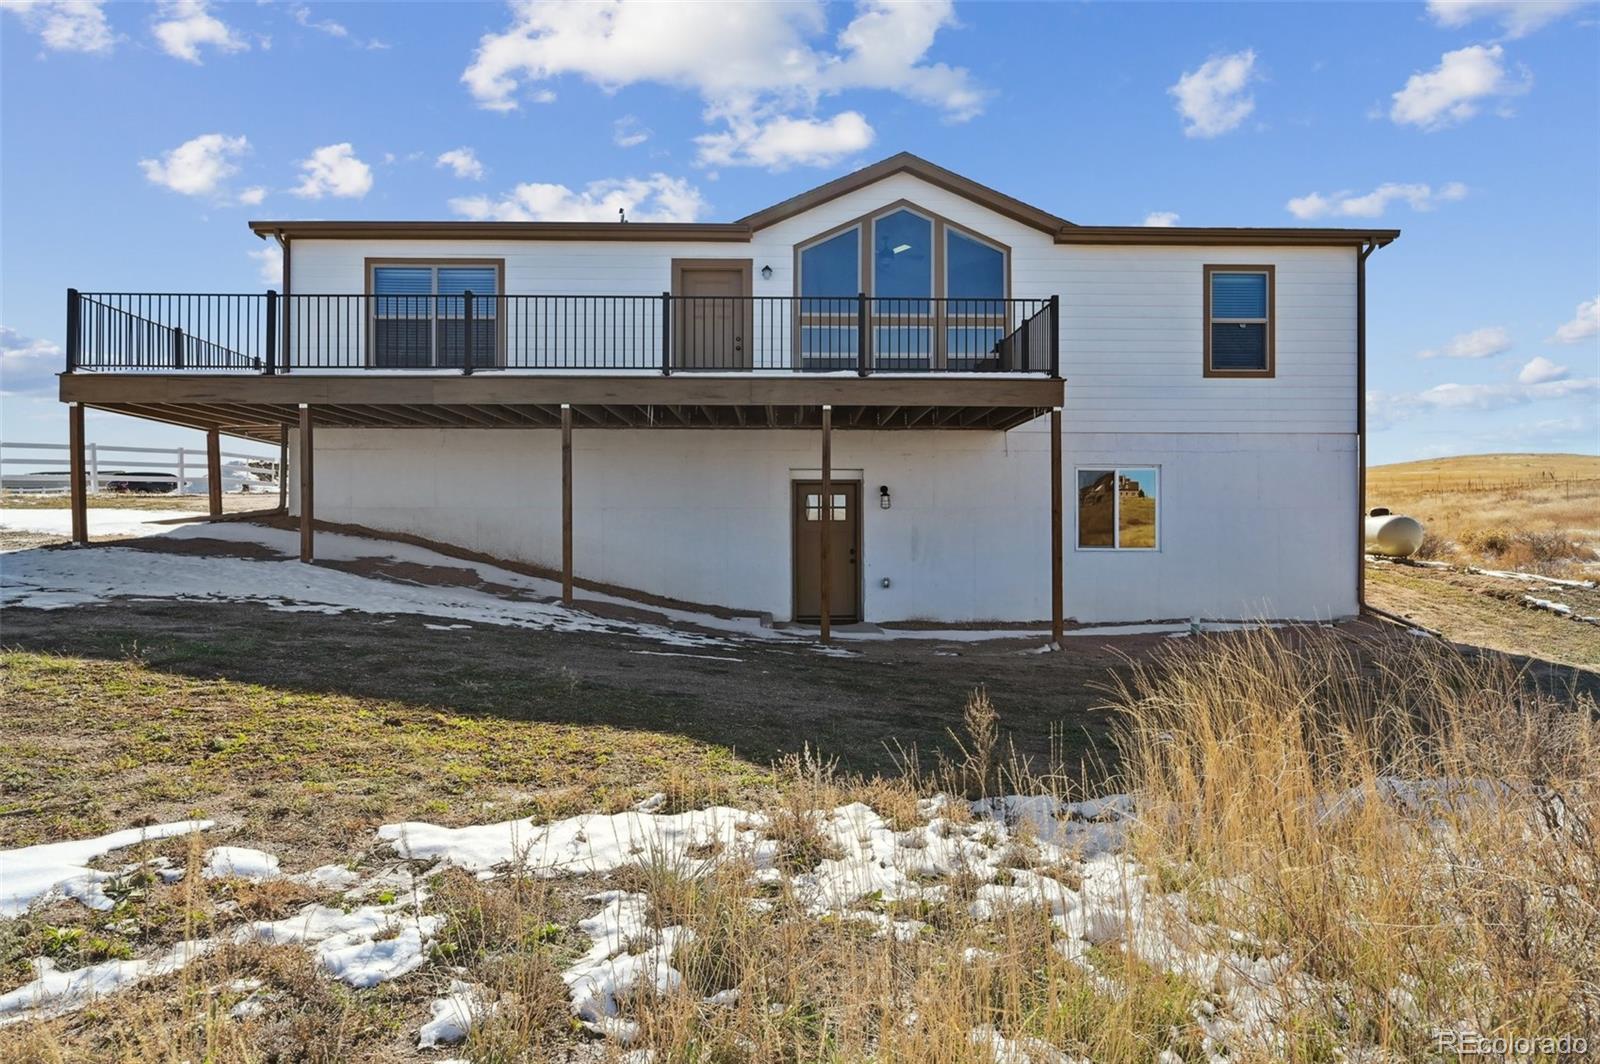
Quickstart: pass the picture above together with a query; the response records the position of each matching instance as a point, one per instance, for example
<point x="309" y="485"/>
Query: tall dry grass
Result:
<point x="1404" y="836"/>
<point x="1411" y="830"/>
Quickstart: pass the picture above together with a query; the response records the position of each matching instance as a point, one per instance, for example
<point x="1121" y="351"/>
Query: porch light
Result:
<point x="766" y="273"/>
<point x="883" y="496"/>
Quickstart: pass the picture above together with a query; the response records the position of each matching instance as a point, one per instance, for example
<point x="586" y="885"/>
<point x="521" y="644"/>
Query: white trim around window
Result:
<point x="1116" y="508"/>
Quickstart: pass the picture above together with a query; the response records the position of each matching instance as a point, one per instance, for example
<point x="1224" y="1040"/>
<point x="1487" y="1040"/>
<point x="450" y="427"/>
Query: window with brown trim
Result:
<point x="1239" y="321"/>
<point x="417" y="312"/>
<point x="937" y="291"/>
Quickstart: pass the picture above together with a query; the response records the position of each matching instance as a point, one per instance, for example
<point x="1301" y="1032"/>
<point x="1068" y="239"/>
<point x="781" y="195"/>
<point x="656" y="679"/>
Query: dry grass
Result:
<point x="1417" y="839"/>
<point x="1268" y="826"/>
<point x="1536" y="512"/>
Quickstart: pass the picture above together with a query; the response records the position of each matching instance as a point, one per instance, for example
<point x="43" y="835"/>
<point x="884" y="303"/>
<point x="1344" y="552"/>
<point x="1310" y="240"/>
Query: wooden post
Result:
<point x="79" y="487"/>
<point x="1057" y="559"/>
<point x="566" y="503"/>
<point x="306" y="494"/>
<point x="824" y="521"/>
<point x="283" y="468"/>
<point x="214" y="471"/>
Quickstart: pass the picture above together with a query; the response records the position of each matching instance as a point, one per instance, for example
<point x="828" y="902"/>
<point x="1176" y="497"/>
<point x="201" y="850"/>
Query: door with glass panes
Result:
<point x="844" y="548"/>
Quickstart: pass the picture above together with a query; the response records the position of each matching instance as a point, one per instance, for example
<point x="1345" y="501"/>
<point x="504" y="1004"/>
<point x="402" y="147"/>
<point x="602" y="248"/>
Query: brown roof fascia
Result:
<point x="1148" y="235"/>
<point x="907" y="163"/>
<point x="724" y="232"/>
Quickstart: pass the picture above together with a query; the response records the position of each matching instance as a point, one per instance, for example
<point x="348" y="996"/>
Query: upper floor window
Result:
<point x="1239" y="321"/>
<point x="937" y="293"/>
<point x="419" y="314"/>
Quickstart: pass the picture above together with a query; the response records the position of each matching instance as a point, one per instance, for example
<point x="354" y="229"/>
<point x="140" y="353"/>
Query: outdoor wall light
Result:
<point x="766" y="273"/>
<point x="883" y="496"/>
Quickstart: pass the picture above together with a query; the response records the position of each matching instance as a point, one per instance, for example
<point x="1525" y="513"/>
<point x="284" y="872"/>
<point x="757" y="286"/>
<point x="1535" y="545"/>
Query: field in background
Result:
<point x="1539" y="512"/>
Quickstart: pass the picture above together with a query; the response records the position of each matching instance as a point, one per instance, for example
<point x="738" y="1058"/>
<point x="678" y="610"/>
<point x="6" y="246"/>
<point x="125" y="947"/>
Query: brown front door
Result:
<point x="711" y="329"/>
<point x="844" y="548"/>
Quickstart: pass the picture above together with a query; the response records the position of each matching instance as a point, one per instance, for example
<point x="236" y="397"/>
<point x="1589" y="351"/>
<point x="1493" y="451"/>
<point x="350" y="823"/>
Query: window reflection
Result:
<point x="1118" y="508"/>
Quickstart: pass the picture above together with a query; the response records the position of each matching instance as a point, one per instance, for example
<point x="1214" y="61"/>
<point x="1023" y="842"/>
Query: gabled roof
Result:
<point x="741" y="231"/>
<point x="916" y="166"/>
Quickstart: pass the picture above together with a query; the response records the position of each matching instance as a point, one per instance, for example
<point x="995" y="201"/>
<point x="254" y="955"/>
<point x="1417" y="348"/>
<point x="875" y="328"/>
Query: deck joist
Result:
<point x="258" y="406"/>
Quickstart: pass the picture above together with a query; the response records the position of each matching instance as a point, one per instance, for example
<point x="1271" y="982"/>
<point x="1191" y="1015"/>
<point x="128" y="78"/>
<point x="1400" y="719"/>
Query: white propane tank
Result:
<point x="1392" y="535"/>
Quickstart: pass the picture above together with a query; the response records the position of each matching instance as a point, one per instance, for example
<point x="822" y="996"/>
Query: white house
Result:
<point x="658" y="406"/>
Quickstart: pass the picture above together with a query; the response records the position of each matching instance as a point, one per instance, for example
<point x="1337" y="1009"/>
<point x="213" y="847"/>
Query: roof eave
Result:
<point x="444" y="230"/>
<point x="1148" y="235"/>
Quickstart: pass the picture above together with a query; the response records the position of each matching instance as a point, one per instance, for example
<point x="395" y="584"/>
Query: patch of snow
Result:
<point x="363" y="947"/>
<point x="52" y="992"/>
<point x="239" y="861"/>
<point x="328" y="877"/>
<point x="1546" y="604"/>
<point x="61" y="868"/>
<point x="586" y="843"/>
<point x="610" y="971"/>
<point x="453" y="1015"/>
<point x="1533" y="578"/>
<point x="103" y="521"/>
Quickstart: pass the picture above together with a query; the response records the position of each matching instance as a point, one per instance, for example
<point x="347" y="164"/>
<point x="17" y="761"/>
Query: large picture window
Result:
<point x="419" y="314"/>
<point x="1239" y="321"/>
<point x="830" y="281"/>
<point x="1119" y="509"/>
<point x="937" y="293"/>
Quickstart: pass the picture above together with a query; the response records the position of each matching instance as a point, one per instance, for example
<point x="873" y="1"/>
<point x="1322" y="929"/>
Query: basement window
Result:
<point x="1239" y="321"/>
<point x="1119" y="509"/>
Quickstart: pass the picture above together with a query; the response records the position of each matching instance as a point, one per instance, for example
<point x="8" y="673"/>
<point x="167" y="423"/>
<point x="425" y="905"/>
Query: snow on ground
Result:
<point x="103" y="521"/>
<point x="60" y="869"/>
<point x="57" y="579"/>
<point x="241" y="862"/>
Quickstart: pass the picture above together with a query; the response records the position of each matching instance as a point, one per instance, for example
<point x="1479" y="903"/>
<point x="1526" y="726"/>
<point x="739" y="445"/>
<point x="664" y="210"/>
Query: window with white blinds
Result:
<point x="419" y="315"/>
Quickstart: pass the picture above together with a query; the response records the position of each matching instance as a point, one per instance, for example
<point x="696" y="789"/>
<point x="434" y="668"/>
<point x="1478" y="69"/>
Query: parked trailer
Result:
<point x="1392" y="535"/>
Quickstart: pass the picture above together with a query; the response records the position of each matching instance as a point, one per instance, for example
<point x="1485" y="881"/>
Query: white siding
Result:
<point x="1131" y="330"/>
<point x="1258" y="477"/>
<point x="1252" y="525"/>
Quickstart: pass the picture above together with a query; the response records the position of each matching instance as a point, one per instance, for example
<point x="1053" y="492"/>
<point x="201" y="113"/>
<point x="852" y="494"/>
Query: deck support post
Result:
<point x="566" y="503"/>
<point x="306" y="493"/>
<point x="824" y="522"/>
<point x="283" y="468"/>
<point x="1057" y="557"/>
<point x="75" y="466"/>
<point x="214" y="471"/>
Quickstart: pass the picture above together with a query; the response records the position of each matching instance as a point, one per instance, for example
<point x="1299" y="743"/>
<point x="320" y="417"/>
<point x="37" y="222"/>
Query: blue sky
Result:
<point x="136" y="139"/>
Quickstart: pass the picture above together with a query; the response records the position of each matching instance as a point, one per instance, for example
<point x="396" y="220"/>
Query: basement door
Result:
<point x="844" y="550"/>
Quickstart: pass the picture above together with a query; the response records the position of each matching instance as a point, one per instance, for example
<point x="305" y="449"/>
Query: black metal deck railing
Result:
<point x="272" y="333"/>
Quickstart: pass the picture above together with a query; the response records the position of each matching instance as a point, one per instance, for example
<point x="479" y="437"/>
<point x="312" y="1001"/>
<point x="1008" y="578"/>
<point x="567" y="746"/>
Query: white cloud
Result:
<point x="759" y="69"/>
<point x="1161" y="219"/>
<point x="184" y="26"/>
<point x="1372" y="204"/>
<point x="27" y="365"/>
<point x="1517" y="18"/>
<point x="1584" y="324"/>
<point x="269" y="264"/>
<point x="1539" y="369"/>
<point x="463" y="161"/>
<point x="197" y="167"/>
<point x="1213" y="99"/>
<point x="333" y="170"/>
<point x="252" y="196"/>
<point x="66" y="25"/>
<point x="626" y="132"/>
<point x="302" y="14"/>
<point x="658" y="198"/>
<point x="780" y="142"/>
<point x="1453" y="91"/>
<point x="1479" y="343"/>
<point x="1499" y="396"/>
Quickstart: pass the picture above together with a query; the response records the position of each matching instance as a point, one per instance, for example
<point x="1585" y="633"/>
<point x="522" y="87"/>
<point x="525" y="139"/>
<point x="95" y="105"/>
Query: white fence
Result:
<point x="43" y="468"/>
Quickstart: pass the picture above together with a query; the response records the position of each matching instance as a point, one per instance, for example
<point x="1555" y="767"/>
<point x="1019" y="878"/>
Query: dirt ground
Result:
<point x="1490" y="612"/>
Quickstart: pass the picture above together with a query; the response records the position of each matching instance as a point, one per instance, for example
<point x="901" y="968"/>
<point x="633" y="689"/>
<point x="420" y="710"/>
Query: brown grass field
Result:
<point x="1513" y="511"/>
